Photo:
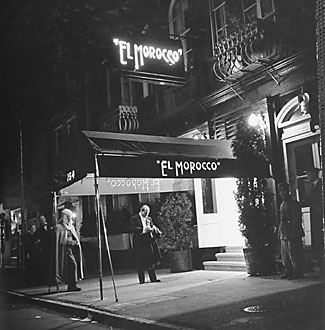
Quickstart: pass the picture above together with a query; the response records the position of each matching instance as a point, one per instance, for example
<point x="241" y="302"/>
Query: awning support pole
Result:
<point x="54" y="222"/>
<point x="100" y="265"/>
<point x="108" y="253"/>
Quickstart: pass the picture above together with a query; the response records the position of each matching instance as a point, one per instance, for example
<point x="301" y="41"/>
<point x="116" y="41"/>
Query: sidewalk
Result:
<point x="192" y="300"/>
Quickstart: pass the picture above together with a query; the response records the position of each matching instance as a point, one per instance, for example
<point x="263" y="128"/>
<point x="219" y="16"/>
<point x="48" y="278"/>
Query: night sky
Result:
<point x="32" y="63"/>
<point x="21" y="100"/>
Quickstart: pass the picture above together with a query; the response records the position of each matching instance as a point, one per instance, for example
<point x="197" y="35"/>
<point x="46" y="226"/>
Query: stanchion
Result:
<point x="98" y="222"/>
<point x="108" y="253"/>
<point x="53" y="247"/>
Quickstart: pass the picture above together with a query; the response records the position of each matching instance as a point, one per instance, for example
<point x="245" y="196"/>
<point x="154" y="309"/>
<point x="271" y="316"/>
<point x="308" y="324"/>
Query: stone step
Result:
<point x="224" y="266"/>
<point x="234" y="249"/>
<point x="230" y="256"/>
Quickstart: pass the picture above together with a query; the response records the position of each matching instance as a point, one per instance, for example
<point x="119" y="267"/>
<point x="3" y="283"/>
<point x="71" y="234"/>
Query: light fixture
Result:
<point x="257" y="121"/>
<point x="253" y="120"/>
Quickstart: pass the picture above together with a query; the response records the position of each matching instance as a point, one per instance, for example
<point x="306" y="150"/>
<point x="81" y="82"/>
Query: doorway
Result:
<point x="301" y="151"/>
<point x="302" y="155"/>
<point x="217" y="214"/>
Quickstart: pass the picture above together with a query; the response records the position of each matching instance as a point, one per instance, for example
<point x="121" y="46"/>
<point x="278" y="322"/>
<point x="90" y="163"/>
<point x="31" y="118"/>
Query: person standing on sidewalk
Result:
<point x="44" y="236"/>
<point x="145" y="246"/>
<point x="68" y="265"/>
<point x="290" y="234"/>
<point x="314" y="199"/>
<point x="33" y="257"/>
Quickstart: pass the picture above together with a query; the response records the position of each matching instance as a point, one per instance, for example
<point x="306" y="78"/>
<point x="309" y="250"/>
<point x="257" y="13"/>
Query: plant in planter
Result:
<point x="254" y="200"/>
<point x="175" y="221"/>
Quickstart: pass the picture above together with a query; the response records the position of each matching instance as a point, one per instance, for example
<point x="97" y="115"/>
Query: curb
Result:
<point x="101" y="316"/>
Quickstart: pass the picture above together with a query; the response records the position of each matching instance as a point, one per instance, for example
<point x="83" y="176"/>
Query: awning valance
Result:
<point x="125" y="186"/>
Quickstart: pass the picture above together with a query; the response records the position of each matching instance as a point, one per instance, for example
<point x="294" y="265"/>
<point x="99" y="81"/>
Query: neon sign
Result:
<point x="139" y="54"/>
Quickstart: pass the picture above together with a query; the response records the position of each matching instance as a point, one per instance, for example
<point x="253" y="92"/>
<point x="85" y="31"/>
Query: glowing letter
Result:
<point x="138" y="56"/>
<point x="122" y="47"/>
<point x="178" y="166"/>
<point x="128" y="51"/>
<point x="164" y="55"/>
<point x="152" y="52"/>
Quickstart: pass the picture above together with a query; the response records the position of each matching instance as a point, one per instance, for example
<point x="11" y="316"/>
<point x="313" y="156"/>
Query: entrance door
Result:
<point x="302" y="155"/>
<point x="216" y="210"/>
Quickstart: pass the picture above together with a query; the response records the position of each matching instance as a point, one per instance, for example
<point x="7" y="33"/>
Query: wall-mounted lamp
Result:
<point x="253" y="120"/>
<point x="257" y="121"/>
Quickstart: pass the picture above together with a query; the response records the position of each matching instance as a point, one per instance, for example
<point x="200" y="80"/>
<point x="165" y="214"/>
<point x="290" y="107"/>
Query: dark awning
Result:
<point x="143" y="156"/>
<point x="146" y="145"/>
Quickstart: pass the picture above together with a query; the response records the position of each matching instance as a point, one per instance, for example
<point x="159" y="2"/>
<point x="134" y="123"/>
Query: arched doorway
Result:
<point x="301" y="148"/>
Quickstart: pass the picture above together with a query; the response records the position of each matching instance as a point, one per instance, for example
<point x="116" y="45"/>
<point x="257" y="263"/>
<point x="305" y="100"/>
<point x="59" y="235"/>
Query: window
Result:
<point x="304" y="159"/>
<point x="88" y="228"/>
<point x="226" y="16"/>
<point x="177" y="14"/>
<point x="132" y="91"/>
<point x="253" y="9"/>
<point x="209" y="197"/>
<point x="149" y="98"/>
<point x="63" y="131"/>
<point x="219" y="19"/>
<point x="178" y="28"/>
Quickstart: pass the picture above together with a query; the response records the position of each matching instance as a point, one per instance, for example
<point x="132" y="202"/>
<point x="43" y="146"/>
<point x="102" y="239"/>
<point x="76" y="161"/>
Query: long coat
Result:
<point x="34" y="260"/>
<point x="144" y="244"/>
<point x="290" y="220"/>
<point x="61" y="260"/>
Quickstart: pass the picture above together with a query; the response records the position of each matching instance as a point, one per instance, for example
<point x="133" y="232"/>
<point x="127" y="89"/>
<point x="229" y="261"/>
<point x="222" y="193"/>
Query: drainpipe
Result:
<point x="320" y="56"/>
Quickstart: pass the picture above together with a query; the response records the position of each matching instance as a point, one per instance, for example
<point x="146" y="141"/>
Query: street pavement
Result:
<point x="197" y="299"/>
<point x="15" y="315"/>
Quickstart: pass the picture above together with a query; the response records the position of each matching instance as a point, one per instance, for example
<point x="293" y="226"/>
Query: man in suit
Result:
<point x="290" y="234"/>
<point x="44" y="235"/>
<point x="33" y="256"/>
<point x="146" y="250"/>
<point x="314" y="199"/>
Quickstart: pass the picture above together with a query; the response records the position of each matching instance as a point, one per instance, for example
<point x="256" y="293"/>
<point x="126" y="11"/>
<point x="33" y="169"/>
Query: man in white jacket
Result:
<point x="68" y="266"/>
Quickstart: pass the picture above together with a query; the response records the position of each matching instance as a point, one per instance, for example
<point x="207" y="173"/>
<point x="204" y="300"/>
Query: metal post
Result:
<point x="53" y="253"/>
<point x="2" y="240"/>
<point x="108" y="253"/>
<point x="22" y="171"/>
<point x="23" y="211"/>
<point x="100" y="265"/>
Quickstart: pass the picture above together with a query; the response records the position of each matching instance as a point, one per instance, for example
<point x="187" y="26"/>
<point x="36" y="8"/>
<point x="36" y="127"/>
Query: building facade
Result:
<point x="192" y="69"/>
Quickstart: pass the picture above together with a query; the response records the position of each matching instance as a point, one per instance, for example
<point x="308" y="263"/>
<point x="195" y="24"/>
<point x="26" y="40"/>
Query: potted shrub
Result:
<point x="175" y="221"/>
<point x="254" y="200"/>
